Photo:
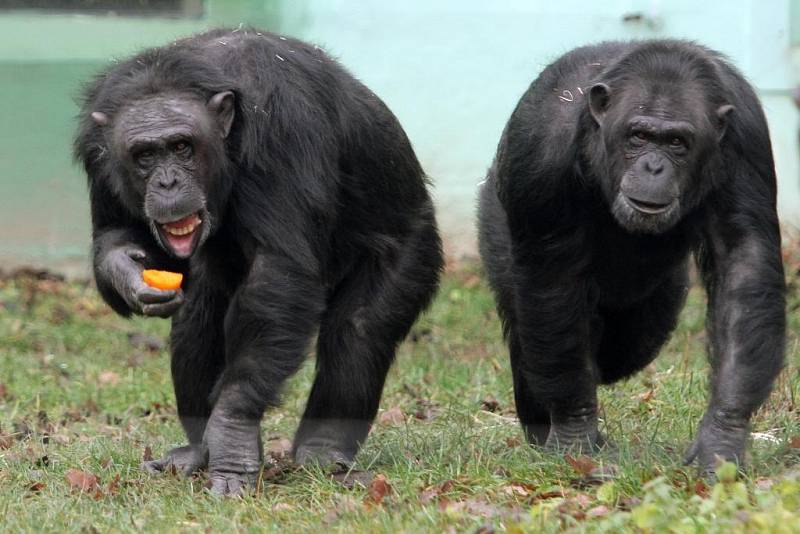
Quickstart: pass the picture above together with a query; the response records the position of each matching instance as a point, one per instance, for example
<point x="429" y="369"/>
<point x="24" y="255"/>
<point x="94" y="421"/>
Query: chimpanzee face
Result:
<point x="655" y="144"/>
<point x="169" y="146"/>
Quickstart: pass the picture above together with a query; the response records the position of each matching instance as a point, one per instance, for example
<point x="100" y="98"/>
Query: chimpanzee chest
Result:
<point x="626" y="269"/>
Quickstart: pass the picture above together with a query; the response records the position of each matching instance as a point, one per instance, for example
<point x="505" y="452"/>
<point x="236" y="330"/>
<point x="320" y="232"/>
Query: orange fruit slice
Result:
<point x="162" y="279"/>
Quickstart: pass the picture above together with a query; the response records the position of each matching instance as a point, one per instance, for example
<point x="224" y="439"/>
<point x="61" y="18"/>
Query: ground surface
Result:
<point x="85" y="396"/>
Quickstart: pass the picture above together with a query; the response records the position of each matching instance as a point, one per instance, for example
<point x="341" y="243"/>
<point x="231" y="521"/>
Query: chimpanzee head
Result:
<point x="658" y="126"/>
<point x="169" y="148"/>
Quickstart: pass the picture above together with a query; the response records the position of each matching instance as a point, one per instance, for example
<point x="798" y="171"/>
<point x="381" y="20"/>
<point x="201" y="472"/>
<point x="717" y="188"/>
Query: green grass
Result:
<point x="77" y="394"/>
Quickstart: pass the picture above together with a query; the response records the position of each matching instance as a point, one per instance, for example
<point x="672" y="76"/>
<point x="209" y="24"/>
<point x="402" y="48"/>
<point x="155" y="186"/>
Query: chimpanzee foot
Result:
<point x="325" y="453"/>
<point x="329" y="443"/>
<point x="231" y="484"/>
<point x="718" y="437"/>
<point x="185" y="460"/>
<point x="234" y="453"/>
<point x="576" y="433"/>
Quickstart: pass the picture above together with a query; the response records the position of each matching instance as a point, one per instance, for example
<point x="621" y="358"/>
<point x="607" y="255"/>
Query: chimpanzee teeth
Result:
<point x="184" y="230"/>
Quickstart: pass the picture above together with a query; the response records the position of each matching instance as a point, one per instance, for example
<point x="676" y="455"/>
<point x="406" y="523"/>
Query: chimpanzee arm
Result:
<point x="267" y="330"/>
<point x="743" y="274"/>
<point x="121" y="248"/>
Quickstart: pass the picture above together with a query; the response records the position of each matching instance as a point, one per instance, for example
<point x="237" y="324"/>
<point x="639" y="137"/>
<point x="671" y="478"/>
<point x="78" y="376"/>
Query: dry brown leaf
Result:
<point x="518" y="489"/>
<point x="435" y="491"/>
<point x="82" y="481"/>
<point x="701" y="489"/>
<point x="513" y="442"/>
<point x="490" y="404"/>
<point x="392" y="416"/>
<point x="583" y="464"/>
<point x="113" y="486"/>
<point x="764" y="483"/>
<point x="598" y="511"/>
<point x="108" y="378"/>
<point x="378" y="489"/>
<point x="147" y="454"/>
<point x="350" y="478"/>
<point x="794" y="442"/>
<point x="36" y="487"/>
<point x="279" y="448"/>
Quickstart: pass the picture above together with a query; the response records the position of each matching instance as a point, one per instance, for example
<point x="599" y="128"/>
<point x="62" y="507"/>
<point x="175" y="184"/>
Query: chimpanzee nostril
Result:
<point x="654" y="166"/>
<point x="167" y="180"/>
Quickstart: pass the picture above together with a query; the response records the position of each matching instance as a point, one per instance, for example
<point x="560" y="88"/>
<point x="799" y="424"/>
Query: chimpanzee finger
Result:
<point x="151" y="295"/>
<point x="165" y="309"/>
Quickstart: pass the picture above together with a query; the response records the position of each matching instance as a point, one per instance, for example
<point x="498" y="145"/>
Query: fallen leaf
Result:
<point x="794" y="442"/>
<point x="147" y="454"/>
<point x="518" y="489"/>
<point x="701" y="489"/>
<point x="350" y="478"/>
<point x="490" y="404"/>
<point x="546" y="495"/>
<point x="378" y="489"/>
<point x="282" y="507"/>
<point x="513" y="442"/>
<point x="108" y="378"/>
<point x="392" y="416"/>
<point x="82" y="481"/>
<point x="598" y="511"/>
<point x="113" y="486"/>
<point x="583" y="465"/>
<point x="36" y="487"/>
<point x="279" y="448"/>
<point x="435" y="491"/>
<point x="764" y="483"/>
<point x="4" y="392"/>
<point x="647" y="396"/>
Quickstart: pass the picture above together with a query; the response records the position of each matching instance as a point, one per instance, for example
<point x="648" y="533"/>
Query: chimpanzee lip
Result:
<point x="181" y="236"/>
<point x="647" y="207"/>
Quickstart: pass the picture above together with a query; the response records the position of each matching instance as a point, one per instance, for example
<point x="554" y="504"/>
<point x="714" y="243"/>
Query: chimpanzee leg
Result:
<point x="632" y="337"/>
<point x="268" y="327"/>
<point x="532" y="412"/>
<point x="369" y="315"/>
<point x="198" y="358"/>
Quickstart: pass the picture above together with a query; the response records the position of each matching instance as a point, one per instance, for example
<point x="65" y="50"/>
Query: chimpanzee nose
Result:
<point x="167" y="180"/>
<point x="654" y="165"/>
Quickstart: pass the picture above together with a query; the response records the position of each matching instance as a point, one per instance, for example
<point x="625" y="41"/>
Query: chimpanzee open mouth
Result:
<point x="182" y="235"/>
<point x="648" y="208"/>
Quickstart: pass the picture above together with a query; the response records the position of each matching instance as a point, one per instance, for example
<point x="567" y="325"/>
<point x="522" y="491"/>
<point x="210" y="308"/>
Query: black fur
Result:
<point x="589" y="294"/>
<point x="322" y="223"/>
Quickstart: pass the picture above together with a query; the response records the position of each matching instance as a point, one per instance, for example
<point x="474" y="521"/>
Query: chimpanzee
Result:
<point x="291" y="199"/>
<point x="619" y="161"/>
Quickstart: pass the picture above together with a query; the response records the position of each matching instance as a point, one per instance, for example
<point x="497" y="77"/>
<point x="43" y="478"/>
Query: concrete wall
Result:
<point x="451" y="70"/>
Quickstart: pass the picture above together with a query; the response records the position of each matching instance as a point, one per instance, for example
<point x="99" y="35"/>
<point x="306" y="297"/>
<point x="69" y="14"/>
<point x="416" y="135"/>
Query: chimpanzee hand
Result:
<point x="718" y="437"/>
<point x="234" y="453"/>
<point x="122" y="269"/>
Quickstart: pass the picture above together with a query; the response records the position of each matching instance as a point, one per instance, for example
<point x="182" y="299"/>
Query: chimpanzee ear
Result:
<point x="221" y="105"/>
<point x="599" y="97"/>
<point x="100" y="118"/>
<point x="723" y="116"/>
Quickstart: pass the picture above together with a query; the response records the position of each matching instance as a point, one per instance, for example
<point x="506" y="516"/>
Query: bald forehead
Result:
<point x="162" y="116"/>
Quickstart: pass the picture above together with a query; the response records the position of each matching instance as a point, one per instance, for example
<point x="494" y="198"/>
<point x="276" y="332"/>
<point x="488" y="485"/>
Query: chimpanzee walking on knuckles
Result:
<point x="620" y="161"/>
<point x="290" y="198"/>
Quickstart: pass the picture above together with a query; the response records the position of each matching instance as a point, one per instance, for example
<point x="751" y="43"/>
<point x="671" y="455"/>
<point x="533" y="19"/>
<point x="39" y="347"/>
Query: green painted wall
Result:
<point x="451" y="70"/>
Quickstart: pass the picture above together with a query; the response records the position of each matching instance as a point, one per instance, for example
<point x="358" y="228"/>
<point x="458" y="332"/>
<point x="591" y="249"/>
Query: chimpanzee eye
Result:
<point x="677" y="142"/>
<point x="638" y="138"/>
<point x="182" y="149"/>
<point x="144" y="158"/>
